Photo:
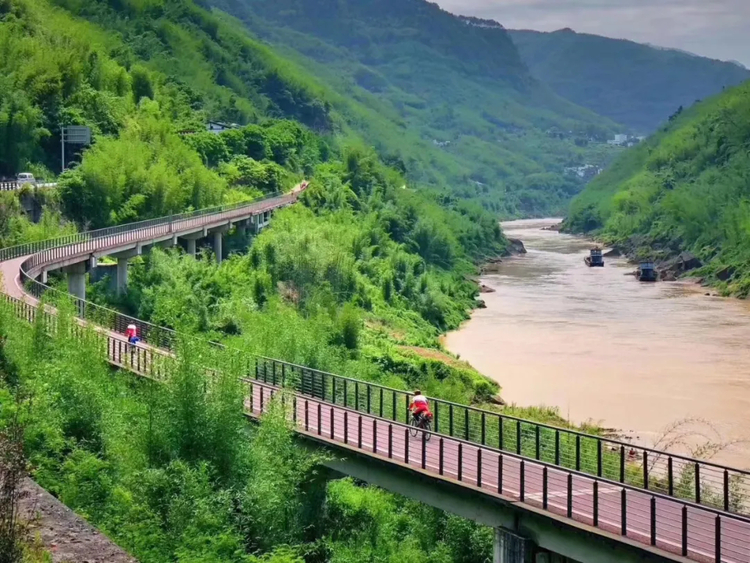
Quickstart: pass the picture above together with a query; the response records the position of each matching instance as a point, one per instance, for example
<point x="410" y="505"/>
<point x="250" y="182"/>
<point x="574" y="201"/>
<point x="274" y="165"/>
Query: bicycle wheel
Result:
<point x="427" y="426"/>
<point x="414" y="430"/>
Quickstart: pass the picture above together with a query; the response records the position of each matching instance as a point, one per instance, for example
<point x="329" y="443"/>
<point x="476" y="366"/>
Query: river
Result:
<point x="599" y="345"/>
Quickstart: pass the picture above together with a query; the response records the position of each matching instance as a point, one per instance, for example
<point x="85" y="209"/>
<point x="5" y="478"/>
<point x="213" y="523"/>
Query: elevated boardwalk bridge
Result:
<point x="549" y="492"/>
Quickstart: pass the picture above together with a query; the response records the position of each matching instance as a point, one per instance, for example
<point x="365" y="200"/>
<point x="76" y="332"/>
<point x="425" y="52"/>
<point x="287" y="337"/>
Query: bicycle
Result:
<point x="421" y="423"/>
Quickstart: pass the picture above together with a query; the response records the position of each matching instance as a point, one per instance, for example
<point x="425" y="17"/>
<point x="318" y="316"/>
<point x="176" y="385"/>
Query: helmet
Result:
<point x="417" y="392"/>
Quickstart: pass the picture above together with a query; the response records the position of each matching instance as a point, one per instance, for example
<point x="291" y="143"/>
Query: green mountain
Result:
<point x="685" y="188"/>
<point x="359" y="278"/>
<point x="447" y="98"/>
<point x="637" y="85"/>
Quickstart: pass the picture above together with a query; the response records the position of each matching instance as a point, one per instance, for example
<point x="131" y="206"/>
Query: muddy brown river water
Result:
<point x="599" y="345"/>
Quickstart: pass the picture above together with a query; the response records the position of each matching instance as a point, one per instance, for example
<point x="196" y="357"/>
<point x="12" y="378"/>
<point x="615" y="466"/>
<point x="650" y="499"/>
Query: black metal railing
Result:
<point x="702" y="482"/>
<point x="104" y="235"/>
<point x="677" y="526"/>
<point x="681" y="527"/>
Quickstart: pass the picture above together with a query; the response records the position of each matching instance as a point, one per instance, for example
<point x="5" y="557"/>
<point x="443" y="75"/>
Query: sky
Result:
<point x="719" y="29"/>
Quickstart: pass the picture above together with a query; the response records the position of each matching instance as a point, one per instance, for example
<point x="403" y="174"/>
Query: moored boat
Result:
<point x="646" y="272"/>
<point x="595" y="258"/>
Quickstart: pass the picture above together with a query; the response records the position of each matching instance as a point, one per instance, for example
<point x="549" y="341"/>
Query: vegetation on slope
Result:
<point x="361" y="266"/>
<point x="686" y="188"/>
<point x="637" y="85"/>
<point x="354" y="280"/>
<point x="451" y="103"/>
<point x="173" y="473"/>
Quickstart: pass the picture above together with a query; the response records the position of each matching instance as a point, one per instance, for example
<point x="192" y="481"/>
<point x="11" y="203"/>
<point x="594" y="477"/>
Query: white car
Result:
<point x="26" y="178"/>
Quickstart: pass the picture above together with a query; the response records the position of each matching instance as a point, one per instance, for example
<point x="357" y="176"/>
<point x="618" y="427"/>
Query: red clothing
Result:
<point x="420" y="406"/>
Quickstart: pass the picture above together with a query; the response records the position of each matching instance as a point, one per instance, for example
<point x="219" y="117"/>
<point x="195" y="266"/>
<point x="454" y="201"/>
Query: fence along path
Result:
<point x="479" y="447"/>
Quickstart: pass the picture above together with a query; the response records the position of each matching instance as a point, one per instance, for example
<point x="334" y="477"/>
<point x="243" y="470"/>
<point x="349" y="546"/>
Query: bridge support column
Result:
<point x="77" y="280"/>
<point x="121" y="282"/>
<point x="122" y="275"/>
<point x="507" y="547"/>
<point x="498" y="547"/>
<point x="218" y="234"/>
<point x="218" y="249"/>
<point x="191" y="240"/>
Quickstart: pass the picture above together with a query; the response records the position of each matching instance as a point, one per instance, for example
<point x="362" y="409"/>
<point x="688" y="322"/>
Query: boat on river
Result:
<point x="595" y="258"/>
<point x="646" y="272"/>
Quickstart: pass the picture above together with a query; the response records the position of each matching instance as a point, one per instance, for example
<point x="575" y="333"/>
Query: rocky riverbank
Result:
<point x="67" y="536"/>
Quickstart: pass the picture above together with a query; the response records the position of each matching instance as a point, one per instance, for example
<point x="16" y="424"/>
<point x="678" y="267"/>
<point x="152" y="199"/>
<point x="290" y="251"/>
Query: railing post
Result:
<point x="479" y="468"/>
<point x="346" y="427"/>
<point x="697" y="483"/>
<point x="653" y="520"/>
<point x="624" y="512"/>
<point x="717" y="539"/>
<point x="518" y="437"/>
<point x="500" y="474"/>
<point x="440" y="457"/>
<point x="726" y="490"/>
<point x="645" y="470"/>
<point x="544" y="487"/>
<point x="596" y="504"/>
<point x="670" y="476"/>
<point x="684" y="530"/>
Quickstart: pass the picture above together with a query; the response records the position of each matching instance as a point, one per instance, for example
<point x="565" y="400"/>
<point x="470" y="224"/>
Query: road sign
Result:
<point x="77" y="135"/>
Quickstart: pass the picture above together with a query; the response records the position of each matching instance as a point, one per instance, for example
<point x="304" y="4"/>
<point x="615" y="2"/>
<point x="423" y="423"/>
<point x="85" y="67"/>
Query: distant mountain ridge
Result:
<point x="632" y="83"/>
<point x="454" y="101"/>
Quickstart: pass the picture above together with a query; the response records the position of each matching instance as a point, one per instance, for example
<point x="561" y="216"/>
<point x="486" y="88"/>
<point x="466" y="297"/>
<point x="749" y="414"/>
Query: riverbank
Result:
<point x="651" y="359"/>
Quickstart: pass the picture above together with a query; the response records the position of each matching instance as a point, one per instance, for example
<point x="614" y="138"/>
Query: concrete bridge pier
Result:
<point x="76" y="274"/>
<point x="508" y="547"/>
<point x="218" y="234"/>
<point x="191" y="241"/>
<point x="121" y="282"/>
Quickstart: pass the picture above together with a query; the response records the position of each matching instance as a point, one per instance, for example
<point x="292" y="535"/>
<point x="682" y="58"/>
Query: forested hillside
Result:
<point x="450" y="102"/>
<point x="360" y="278"/>
<point x="686" y="188"/>
<point x="637" y="85"/>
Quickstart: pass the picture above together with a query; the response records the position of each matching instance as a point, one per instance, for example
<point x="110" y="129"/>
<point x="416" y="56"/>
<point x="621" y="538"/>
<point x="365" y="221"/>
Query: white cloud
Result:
<point x="713" y="28"/>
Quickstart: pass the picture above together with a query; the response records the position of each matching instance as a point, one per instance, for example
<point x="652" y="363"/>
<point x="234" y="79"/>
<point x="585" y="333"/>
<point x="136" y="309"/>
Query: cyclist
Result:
<point x="420" y="408"/>
<point x="132" y="335"/>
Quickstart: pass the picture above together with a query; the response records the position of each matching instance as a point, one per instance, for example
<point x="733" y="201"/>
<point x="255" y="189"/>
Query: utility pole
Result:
<point x="62" y="144"/>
